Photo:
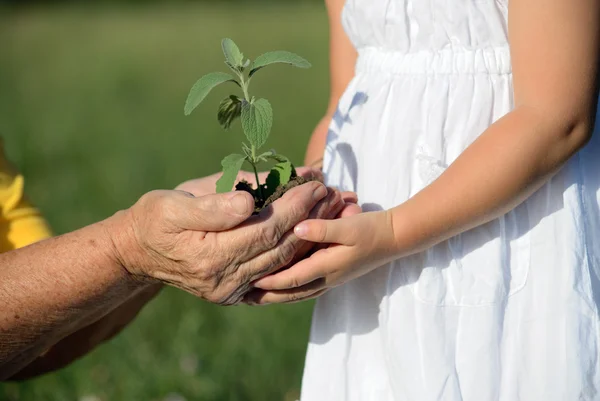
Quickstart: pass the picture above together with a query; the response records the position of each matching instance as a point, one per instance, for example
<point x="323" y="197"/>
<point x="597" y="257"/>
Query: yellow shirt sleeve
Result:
<point x="20" y="223"/>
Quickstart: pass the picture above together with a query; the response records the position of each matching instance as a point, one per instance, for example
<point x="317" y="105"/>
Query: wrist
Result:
<point x="390" y="246"/>
<point x="406" y="231"/>
<point x="125" y="249"/>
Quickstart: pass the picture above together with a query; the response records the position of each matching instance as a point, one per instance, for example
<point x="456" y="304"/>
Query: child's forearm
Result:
<point x="316" y="145"/>
<point x="502" y="168"/>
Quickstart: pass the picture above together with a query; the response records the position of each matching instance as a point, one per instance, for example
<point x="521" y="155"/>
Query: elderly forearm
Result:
<point x="53" y="288"/>
<point x="84" y="340"/>
<point x="504" y="166"/>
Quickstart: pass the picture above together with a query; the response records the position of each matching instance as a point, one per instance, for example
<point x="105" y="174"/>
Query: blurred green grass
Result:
<point x="91" y="110"/>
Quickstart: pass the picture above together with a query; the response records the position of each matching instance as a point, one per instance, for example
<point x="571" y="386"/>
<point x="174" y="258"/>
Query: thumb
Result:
<point x="216" y="212"/>
<point x="309" y="172"/>
<point x="325" y="231"/>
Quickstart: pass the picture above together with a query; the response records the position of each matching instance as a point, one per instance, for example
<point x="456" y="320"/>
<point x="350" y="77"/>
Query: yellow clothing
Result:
<point x="20" y="223"/>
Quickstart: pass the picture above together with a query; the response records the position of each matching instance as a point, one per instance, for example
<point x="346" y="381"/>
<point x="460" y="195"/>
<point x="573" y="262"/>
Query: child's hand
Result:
<point x="360" y="244"/>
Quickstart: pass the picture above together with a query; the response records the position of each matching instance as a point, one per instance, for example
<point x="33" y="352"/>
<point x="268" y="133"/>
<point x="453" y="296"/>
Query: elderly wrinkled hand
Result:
<point x="211" y="246"/>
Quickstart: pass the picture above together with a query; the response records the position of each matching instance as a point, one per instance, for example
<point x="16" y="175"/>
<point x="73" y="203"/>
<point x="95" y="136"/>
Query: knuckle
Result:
<point x="320" y="231"/>
<point x="212" y="275"/>
<point x="286" y="255"/>
<point x="295" y="296"/>
<point x="334" y="204"/>
<point x="296" y="203"/>
<point x="269" y="235"/>
<point x="338" y="202"/>
<point x="274" y="260"/>
<point x="283" y="254"/>
<point x="293" y="282"/>
<point x="159" y="203"/>
<point x="167" y="207"/>
<point x="286" y="251"/>
<point x="152" y="198"/>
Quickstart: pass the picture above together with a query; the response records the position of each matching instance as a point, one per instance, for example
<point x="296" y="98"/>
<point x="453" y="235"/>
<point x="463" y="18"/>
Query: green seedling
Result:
<point x="256" y="116"/>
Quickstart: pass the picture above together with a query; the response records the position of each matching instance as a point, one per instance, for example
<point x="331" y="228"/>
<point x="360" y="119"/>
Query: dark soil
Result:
<point x="260" y="203"/>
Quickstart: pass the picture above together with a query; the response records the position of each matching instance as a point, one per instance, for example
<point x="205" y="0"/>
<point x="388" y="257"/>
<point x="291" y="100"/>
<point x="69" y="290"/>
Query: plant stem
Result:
<point x="245" y="89"/>
<point x="259" y="188"/>
<point x="244" y="85"/>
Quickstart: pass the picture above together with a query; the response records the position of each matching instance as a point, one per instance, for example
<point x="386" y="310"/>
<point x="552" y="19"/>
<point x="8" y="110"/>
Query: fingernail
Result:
<point x="301" y="230"/>
<point x="239" y="203"/>
<point x="319" y="193"/>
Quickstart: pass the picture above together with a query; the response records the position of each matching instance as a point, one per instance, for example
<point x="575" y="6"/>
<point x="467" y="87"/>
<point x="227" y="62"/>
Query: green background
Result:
<point x="91" y="110"/>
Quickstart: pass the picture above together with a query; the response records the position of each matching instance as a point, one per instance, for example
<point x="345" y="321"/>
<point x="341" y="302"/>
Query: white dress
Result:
<point x="507" y="311"/>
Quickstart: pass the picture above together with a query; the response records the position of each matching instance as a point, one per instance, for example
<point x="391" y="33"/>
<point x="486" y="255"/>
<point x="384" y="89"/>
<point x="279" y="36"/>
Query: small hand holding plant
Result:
<point x="356" y="244"/>
<point x="256" y="116"/>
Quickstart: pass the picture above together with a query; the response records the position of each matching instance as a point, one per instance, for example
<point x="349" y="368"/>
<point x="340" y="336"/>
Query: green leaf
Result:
<point x="285" y="171"/>
<point x="265" y="156"/>
<point x="229" y="109"/>
<point x="231" y="166"/>
<point x="257" y="120"/>
<point x="271" y="183"/>
<point x="280" y="174"/>
<point x="278" y="57"/>
<point x="232" y="53"/>
<point x="202" y="88"/>
<point x="278" y="158"/>
<point x="281" y="159"/>
<point x="247" y="150"/>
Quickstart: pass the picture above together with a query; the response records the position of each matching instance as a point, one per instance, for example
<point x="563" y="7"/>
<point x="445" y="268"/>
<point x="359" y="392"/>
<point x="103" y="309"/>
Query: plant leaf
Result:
<point x="229" y="109"/>
<point x="278" y="158"/>
<point x="202" y="87"/>
<point x="257" y="120"/>
<point x="280" y="174"/>
<point x="232" y="53"/>
<point x="247" y="150"/>
<point x="271" y="183"/>
<point x="231" y="166"/>
<point x="278" y="57"/>
<point x="264" y="156"/>
<point x="285" y="171"/>
<point x="281" y="159"/>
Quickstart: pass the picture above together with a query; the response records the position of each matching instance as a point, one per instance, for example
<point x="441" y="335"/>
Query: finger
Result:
<point x="328" y="208"/>
<point x="303" y="272"/>
<point x="350" y="197"/>
<point x="264" y="231"/>
<point x="200" y="186"/>
<point x="349" y="210"/>
<point x="216" y="212"/>
<point x="340" y="231"/>
<point x="306" y="292"/>
<point x="310" y="173"/>
<point x="290" y="248"/>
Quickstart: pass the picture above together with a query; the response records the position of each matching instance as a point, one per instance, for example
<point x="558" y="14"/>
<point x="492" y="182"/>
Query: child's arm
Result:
<point x="342" y="58"/>
<point x="555" y="48"/>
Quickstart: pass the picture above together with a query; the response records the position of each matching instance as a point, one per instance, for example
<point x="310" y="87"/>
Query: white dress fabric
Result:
<point x="507" y="311"/>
